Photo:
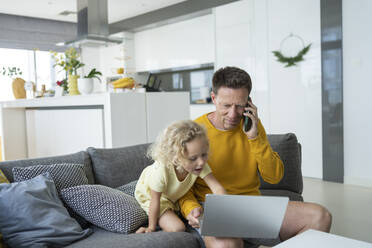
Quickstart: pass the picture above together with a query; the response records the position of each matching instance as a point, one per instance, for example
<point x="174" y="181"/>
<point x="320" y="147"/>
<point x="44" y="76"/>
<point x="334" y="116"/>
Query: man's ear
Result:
<point x="213" y="97"/>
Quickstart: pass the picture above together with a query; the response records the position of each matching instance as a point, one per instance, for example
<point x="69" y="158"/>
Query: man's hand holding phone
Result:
<point x="250" y="120"/>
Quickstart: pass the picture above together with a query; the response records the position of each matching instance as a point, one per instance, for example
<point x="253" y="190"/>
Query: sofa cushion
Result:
<point x="106" y="207"/>
<point x="74" y="158"/>
<point x="64" y="175"/>
<point x="289" y="150"/>
<point x="103" y="238"/>
<point x="114" y="167"/>
<point x="128" y="188"/>
<point x="32" y="215"/>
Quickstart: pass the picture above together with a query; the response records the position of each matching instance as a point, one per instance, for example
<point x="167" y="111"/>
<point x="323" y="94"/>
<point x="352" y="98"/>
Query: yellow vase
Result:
<point x="72" y="85"/>
<point x="18" y="86"/>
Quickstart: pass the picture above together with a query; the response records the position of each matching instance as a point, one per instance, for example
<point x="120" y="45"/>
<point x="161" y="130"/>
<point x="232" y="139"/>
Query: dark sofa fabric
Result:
<point x="74" y="158"/>
<point x="117" y="166"/>
<point x="102" y="238"/>
<point x="289" y="151"/>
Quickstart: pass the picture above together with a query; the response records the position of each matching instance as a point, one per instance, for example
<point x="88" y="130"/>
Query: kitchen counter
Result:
<point x="60" y="125"/>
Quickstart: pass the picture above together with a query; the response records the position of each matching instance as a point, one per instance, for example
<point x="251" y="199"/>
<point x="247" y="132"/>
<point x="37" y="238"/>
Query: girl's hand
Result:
<point x="145" y="230"/>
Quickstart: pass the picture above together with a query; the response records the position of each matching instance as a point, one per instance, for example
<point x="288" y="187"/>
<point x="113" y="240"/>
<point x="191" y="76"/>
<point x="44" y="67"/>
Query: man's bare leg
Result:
<point x="213" y="242"/>
<point x="301" y="216"/>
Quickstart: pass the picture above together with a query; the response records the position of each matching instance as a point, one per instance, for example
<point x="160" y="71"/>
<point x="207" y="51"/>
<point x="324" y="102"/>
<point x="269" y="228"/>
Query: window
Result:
<point x="36" y="66"/>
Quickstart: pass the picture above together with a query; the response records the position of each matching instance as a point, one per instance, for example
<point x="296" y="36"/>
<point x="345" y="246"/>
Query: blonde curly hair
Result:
<point x="170" y="146"/>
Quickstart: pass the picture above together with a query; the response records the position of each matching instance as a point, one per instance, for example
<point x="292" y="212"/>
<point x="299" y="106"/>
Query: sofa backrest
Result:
<point x="76" y="158"/>
<point x="114" y="167"/>
<point x="289" y="150"/>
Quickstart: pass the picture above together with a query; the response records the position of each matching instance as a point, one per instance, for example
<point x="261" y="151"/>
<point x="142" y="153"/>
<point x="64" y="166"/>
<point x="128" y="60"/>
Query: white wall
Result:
<point x="180" y="44"/>
<point x="289" y="99"/>
<point x="295" y="92"/>
<point x="357" y="54"/>
<point x="91" y="57"/>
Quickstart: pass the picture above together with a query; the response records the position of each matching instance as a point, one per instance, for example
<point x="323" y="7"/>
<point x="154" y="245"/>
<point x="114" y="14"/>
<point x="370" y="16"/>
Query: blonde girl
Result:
<point x="180" y="154"/>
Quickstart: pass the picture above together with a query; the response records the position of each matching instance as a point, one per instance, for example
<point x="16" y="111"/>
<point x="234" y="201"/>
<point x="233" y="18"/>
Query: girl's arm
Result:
<point x="214" y="185"/>
<point x="153" y="213"/>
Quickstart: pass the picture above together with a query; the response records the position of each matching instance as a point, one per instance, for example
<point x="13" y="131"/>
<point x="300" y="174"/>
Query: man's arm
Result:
<point x="190" y="208"/>
<point x="270" y="165"/>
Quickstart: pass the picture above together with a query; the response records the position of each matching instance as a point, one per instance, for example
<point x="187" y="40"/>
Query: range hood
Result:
<point x="92" y="25"/>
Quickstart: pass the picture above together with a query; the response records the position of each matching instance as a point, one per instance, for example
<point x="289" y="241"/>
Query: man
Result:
<point x="236" y="156"/>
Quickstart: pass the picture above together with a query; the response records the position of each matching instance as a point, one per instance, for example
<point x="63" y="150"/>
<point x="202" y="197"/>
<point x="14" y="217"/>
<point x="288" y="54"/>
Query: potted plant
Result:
<point x="85" y="84"/>
<point x="62" y="87"/>
<point x="18" y="84"/>
<point x="70" y="62"/>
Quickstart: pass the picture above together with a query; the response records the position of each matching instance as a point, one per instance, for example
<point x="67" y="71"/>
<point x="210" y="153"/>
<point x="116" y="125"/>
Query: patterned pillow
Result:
<point x="106" y="207"/>
<point x="64" y="175"/>
<point x="3" y="179"/>
<point x="128" y="188"/>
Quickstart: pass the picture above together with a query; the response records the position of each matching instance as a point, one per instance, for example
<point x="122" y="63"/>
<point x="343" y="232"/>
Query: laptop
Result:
<point x="243" y="216"/>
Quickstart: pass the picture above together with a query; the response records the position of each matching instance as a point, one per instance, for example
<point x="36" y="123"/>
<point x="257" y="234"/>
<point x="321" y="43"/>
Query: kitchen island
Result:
<point x="60" y="125"/>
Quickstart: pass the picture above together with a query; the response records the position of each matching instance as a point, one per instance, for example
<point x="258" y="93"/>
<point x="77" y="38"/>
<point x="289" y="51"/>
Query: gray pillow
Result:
<point x="106" y="207"/>
<point x="128" y="188"/>
<point x="65" y="175"/>
<point x="116" y="166"/>
<point x="32" y="215"/>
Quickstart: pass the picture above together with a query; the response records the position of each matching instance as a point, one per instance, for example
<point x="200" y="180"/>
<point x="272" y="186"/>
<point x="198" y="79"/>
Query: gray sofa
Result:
<point x="118" y="166"/>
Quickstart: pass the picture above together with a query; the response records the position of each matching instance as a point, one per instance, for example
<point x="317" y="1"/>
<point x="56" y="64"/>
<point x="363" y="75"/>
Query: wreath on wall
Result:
<point x="291" y="61"/>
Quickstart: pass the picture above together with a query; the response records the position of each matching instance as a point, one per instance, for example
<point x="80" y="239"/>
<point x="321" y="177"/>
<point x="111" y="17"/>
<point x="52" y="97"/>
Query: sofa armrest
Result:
<point x="289" y="150"/>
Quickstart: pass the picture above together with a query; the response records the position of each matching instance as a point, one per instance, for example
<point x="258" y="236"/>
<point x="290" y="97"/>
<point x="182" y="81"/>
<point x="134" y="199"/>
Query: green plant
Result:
<point x="291" y="61"/>
<point x="11" y="71"/>
<point x="72" y="62"/>
<point x="94" y="74"/>
<point x="69" y="61"/>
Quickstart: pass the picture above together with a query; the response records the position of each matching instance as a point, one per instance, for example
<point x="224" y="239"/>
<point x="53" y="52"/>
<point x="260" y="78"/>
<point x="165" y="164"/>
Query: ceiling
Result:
<point x="49" y="9"/>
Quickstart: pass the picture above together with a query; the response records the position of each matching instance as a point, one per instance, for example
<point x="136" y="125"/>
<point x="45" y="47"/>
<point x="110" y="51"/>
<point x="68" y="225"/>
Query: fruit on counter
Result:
<point x="126" y="82"/>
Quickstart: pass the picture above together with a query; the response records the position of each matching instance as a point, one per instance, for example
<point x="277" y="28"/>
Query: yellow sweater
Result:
<point x="235" y="161"/>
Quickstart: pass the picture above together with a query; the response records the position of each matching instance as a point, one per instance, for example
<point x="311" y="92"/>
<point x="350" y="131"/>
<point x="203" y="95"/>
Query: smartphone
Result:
<point x="247" y="120"/>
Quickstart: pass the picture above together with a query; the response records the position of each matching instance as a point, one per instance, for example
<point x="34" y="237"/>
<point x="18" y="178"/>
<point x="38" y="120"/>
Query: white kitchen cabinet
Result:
<point x="181" y="44"/>
<point x="233" y="23"/>
<point x="56" y="126"/>
<point x="48" y="132"/>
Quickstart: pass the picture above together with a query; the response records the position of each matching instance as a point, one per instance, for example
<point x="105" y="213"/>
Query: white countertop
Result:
<point x="79" y="100"/>
<point x="93" y="99"/>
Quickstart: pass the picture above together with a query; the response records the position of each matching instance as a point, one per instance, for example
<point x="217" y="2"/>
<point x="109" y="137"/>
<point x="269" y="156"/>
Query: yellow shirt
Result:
<point x="163" y="179"/>
<point x="235" y="161"/>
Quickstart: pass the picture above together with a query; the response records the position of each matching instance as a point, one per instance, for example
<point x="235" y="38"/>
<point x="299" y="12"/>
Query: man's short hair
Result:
<point x="231" y="77"/>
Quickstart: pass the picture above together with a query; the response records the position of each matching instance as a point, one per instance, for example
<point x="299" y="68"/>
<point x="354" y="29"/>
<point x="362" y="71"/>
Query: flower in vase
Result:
<point x="63" y="83"/>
